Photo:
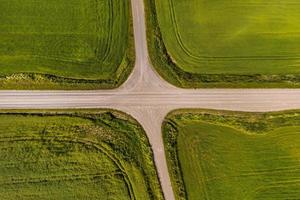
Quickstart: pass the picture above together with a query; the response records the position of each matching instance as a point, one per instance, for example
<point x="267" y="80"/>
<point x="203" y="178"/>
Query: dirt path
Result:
<point x="148" y="98"/>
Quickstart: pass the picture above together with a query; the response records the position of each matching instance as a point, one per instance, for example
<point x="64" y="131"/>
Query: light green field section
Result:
<point x="75" y="155"/>
<point x="216" y="155"/>
<point x="222" y="38"/>
<point x="83" y="40"/>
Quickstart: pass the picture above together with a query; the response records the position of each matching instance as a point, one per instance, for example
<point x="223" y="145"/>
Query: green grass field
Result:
<point x="233" y="155"/>
<point x="226" y="44"/>
<point x="75" y="155"/>
<point x="63" y="44"/>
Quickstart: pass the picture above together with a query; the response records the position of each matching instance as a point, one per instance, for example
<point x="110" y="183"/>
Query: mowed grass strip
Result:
<point x="233" y="155"/>
<point x="225" y="44"/>
<point x="63" y="44"/>
<point x="75" y="155"/>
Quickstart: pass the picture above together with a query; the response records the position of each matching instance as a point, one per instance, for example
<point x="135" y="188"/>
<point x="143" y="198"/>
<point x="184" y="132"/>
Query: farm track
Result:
<point x="108" y="42"/>
<point x="59" y="178"/>
<point x="148" y="98"/>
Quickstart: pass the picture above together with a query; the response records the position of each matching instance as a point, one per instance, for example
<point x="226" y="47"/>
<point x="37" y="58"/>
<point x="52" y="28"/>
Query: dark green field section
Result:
<point x="235" y="43"/>
<point x="233" y="155"/>
<point x="62" y="44"/>
<point x="75" y="155"/>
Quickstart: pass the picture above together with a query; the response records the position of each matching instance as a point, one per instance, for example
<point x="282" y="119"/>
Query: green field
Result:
<point x="61" y="44"/>
<point x="75" y="155"/>
<point x="235" y="43"/>
<point x="233" y="155"/>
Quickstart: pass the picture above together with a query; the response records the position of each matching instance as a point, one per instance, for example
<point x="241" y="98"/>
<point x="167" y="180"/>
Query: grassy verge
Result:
<point x="74" y="76"/>
<point x="169" y="70"/>
<point x="233" y="155"/>
<point x="75" y="154"/>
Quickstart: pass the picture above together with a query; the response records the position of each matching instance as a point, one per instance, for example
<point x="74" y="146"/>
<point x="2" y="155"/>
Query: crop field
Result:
<point x="61" y="44"/>
<point x="226" y="43"/>
<point x="75" y="155"/>
<point x="233" y="155"/>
